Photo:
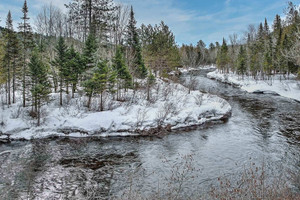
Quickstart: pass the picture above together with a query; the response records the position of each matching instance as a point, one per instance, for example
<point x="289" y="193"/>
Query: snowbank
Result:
<point x="170" y="106"/>
<point x="188" y="69"/>
<point x="276" y="85"/>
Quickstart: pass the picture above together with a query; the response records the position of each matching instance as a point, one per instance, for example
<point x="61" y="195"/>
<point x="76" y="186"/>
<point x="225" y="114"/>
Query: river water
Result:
<point x="264" y="130"/>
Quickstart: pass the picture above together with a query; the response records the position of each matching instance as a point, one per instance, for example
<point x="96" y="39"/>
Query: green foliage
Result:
<point x="98" y="83"/>
<point x="122" y="72"/>
<point x="89" y="50"/>
<point x="40" y="85"/>
<point x="74" y="67"/>
<point x="222" y="57"/>
<point x="38" y="72"/>
<point x="61" y="52"/>
<point x="2" y="74"/>
<point x="160" y="50"/>
<point x="138" y="65"/>
<point x="100" y="77"/>
<point x="241" y="62"/>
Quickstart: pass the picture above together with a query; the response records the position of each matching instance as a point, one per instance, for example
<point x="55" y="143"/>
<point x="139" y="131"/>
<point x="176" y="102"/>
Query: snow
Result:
<point x="289" y="88"/>
<point x="188" y="69"/>
<point x="170" y="105"/>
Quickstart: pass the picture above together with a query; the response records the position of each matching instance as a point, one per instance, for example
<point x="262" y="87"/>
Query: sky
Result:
<point x="190" y="20"/>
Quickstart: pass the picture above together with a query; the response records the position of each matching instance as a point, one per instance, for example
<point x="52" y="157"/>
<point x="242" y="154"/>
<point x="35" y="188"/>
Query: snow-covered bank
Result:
<point x="171" y="106"/>
<point x="188" y="69"/>
<point x="276" y="85"/>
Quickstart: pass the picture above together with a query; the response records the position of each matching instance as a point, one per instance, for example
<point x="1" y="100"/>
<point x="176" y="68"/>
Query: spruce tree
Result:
<point x="27" y="42"/>
<point x="11" y="58"/>
<point x="124" y="78"/>
<point x="266" y="28"/>
<point x="100" y="79"/>
<point x="89" y="50"/>
<point x="222" y="57"/>
<point x="242" y="61"/>
<point x="74" y="67"/>
<point x="40" y="85"/>
<point x="60" y="62"/>
<point x="89" y="87"/>
<point x="8" y="57"/>
<point x="138" y="67"/>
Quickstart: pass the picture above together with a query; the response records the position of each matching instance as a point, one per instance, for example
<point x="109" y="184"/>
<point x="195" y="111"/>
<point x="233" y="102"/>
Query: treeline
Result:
<point x="95" y="48"/>
<point x="264" y="51"/>
<point x="199" y="55"/>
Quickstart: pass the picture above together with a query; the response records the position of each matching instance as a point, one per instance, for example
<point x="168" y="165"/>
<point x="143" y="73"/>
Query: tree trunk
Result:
<point x="14" y="81"/>
<point x="60" y="91"/>
<point x="67" y="85"/>
<point x="101" y="101"/>
<point x="89" y="100"/>
<point x="73" y="89"/>
<point x="8" y="83"/>
<point x="24" y="81"/>
<point x="39" y="112"/>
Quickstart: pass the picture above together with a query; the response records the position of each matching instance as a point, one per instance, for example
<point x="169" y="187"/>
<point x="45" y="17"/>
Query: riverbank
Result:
<point x="278" y="85"/>
<point x="171" y="107"/>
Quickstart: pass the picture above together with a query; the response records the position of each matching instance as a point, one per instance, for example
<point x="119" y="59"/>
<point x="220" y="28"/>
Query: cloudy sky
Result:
<point x="190" y="20"/>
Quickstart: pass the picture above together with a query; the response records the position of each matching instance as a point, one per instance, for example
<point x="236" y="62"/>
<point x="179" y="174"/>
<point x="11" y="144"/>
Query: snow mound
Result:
<point x="277" y="85"/>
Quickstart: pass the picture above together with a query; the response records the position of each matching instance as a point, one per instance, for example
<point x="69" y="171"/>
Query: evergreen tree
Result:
<point x="97" y="83"/>
<point x="8" y="55"/>
<point x="27" y="41"/>
<point x="74" y="67"/>
<point x="242" y="61"/>
<point x="222" y="58"/>
<point x="266" y="28"/>
<point x="40" y="85"/>
<point x="11" y="57"/>
<point x="89" y="87"/>
<point x="138" y="66"/>
<point x="100" y="79"/>
<point x="60" y="62"/>
<point x="89" y="50"/>
<point x="123" y="76"/>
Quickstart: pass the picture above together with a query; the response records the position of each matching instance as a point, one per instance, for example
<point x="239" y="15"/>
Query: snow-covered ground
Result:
<point x="187" y="69"/>
<point x="170" y="105"/>
<point x="284" y="87"/>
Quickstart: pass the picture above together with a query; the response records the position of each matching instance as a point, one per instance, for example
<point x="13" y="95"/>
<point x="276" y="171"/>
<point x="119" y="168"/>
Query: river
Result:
<point x="264" y="131"/>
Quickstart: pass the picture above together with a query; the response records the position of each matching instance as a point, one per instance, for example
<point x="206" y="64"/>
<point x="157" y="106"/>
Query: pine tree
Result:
<point x="74" y="68"/>
<point x="40" y="85"/>
<point x="138" y="67"/>
<point x="100" y="79"/>
<point x="60" y="62"/>
<point x="266" y="28"/>
<point x="8" y="55"/>
<point x="260" y="33"/>
<point x="89" y="88"/>
<point x="27" y="41"/>
<point x="222" y="58"/>
<point x="15" y="63"/>
<point x="242" y="61"/>
<point x="124" y="78"/>
<point x="89" y="50"/>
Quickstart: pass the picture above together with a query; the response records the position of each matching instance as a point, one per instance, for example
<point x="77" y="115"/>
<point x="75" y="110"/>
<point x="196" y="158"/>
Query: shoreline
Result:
<point x="174" y="109"/>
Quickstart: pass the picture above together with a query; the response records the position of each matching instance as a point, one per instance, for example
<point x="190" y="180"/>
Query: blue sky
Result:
<point x="190" y="20"/>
